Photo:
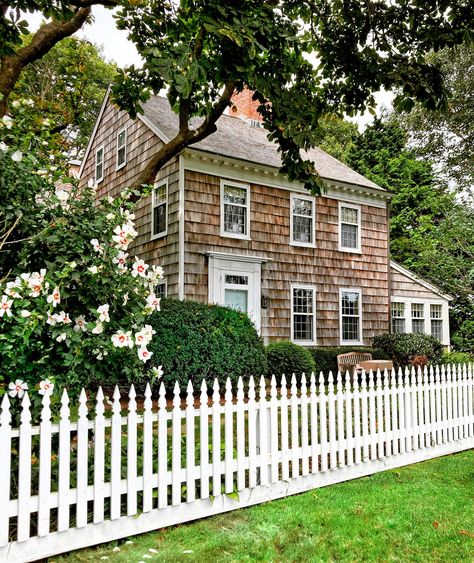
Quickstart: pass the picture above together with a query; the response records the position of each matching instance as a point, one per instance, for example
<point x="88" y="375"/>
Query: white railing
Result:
<point x="69" y="484"/>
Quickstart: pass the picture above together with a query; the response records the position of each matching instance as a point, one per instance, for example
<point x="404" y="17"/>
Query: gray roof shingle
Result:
<point x="237" y="139"/>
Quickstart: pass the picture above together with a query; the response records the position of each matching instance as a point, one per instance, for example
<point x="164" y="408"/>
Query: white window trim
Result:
<point x="120" y="166"/>
<point x="98" y="180"/>
<point x="224" y="233"/>
<point x="294" y="286"/>
<point x="426" y="314"/>
<point x="359" y="342"/>
<point x="357" y="250"/>
<point x="313" y="218"/>
<point x="164" y="282"/>
<point x="152" y="222"/>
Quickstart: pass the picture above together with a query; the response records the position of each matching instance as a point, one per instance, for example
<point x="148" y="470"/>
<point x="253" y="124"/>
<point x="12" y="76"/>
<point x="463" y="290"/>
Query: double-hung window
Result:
<point x="398" y="317"/>
<point x="121" y="148"/>
<point x="303" y="314"/>
<point x="349" y="228"/>
<point x="350" y="308"/>
<point x="436" y="318"/>
<point x="99" y="165"/>
<point x="161" y="289"/>
<point x="302" y="220"/>
<point x="159" y="210"/>
<point x="235" y="210"/>
<point x="418" y="317"/>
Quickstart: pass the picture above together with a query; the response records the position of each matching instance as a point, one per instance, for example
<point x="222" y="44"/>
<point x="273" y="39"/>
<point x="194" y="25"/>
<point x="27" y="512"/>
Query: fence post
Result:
<point x="176" y="447"/>
<point x="5" y="468"/>
<point x="313" y="400"/>
<point x="190" y="444"/>
<point x="273" y="431"/>
<point x="240" y="435"/>
<point x="252" y="426"/>
<point x="64" y="463"/>
<point x="304" y="427"/>
<point x="295" y="461"/>
<point x="24" y="471"/>
<point x="132" y="453"/>
<point x="323" y="423"/>
<point x="229" y="438"/>
<point x="147" y="451"/>
<point x="263" y="441"/>
<point x="44" y="484"/>
<point x="204" y="441"/>
<point x="162" y="449"/>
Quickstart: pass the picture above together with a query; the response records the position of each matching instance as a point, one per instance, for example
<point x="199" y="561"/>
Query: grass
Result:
<point x="423" y="512"/>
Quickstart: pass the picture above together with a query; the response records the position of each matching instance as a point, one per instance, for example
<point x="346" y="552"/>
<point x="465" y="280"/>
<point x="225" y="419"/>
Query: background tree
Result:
<point x="67" y="86"/>
<point x="336" y="136"/>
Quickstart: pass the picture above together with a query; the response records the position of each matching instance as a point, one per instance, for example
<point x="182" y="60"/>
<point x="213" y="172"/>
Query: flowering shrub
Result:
<point x="74" y="304"/>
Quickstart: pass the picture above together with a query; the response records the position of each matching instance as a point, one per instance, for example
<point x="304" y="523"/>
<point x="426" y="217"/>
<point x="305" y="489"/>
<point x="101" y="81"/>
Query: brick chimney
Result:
<point x="244" y="106"/>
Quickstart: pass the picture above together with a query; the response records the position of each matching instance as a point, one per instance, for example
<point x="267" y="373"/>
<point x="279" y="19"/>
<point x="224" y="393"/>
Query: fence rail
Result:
<point x="72" y="483"/>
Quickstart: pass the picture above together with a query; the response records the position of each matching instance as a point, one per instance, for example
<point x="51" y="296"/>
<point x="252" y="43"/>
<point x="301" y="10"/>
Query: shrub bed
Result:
<point x="288" y="358"/>
<point x="198" y="341"/>
<point x="410" y="349"/>
<point x="326" y="358"/>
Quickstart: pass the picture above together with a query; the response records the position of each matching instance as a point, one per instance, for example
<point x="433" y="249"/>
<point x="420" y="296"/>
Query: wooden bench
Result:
<point x="347" y="362"/>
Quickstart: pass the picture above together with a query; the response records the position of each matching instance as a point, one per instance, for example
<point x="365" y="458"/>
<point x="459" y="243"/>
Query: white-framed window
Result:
<point x="350" y="316"/>
<point x="303" y="314"/>
<point x="418" y="317"/>
<point x="161" y="289"/>
<point x="436" y="320"/>
<point x="121" y="148"/>
<point x="159" y="210"/>
<point x="99" y="165"/>
<point x="235" y="210"/>
<point x="349" y="228"/>
<point x="398" y="317"/>
<point x="302" y="220"/>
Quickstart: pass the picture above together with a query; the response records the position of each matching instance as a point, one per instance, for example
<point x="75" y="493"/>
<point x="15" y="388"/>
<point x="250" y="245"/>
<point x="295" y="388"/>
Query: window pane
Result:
<point x="235" y="219"/>
<point x="349" y="215"/>
<point x="121" y="139"/>
<point x="99" y="171"/>
<point x="236" y="299"/>
<point x="418" y="325"/>
<point x="417" y="310"/>
<point x="235" y="195"/>
<point x="398" y="326"/>
<point x="121" y="156"/>
<point x="437" y="328"/>
<point x="236" y="280"/>
<point x="302" y="229"/>
<point x="303" y="327"/>
<point x="435" y="311"/>
<point x="349" y="236"/>
<point x="160" y="290"/>
<point x="350" y="303"/>
<point x="160" y="194"/>
<point x="350" y="328"/>
<point x="398" y="310"/>
<point x="303" y="301"/>
<point x="159" y="219"/>
<point x="302" y="207"/>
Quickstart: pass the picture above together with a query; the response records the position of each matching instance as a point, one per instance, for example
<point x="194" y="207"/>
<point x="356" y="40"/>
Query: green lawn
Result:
<point x="423" y="512"/>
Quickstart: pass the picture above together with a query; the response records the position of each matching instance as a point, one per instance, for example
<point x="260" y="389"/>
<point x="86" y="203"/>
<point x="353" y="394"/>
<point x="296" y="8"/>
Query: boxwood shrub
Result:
<point x="326" y="358"/>
<point x="198" y="341"/>
<point x="288" y="358"/>
<point x="410" y="349"/>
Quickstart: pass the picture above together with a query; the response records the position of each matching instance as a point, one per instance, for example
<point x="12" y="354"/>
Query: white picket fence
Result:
<point x="102" y="476"/>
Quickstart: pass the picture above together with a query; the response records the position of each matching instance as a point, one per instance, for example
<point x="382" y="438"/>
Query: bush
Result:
<point x="456" y="358"/>
<point x="463" y="338"/>
<point x="326" y="358"/>
<point x="408" y="349"/>
<point x="198" y="341"/>
<point x="288" y="358"/>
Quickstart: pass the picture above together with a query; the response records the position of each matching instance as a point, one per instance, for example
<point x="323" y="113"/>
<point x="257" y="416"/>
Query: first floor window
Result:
<point x="159" y="210"/>
<point x="302" y="220"/>
<point x="398" y="318"/>
<point x="161" y="290"/>
<point x="436" y="318"/>
<point x="350" y="307"/>
<point x="303" y="306"/>
<point x="99" y="164"/>
<point x="235" y="210"/>
<point x="349" y="228"/>
<point x="417" y="317"/>
<point x="122" y="148"/>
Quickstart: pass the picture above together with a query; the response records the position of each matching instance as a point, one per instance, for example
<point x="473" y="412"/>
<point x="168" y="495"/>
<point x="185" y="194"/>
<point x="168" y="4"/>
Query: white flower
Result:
<point x="124" y="234"/>
<point x="116" y="548"/>
<point x="11" y="290"/>
<point x="5" y="306"/>
<point x="125" y="299"/>
<point x="144" y="337"/>
<point x="51" y="320"/>
<point x="25" y="313"/>
<point x="110" y="216"/>
<point x="16" y="104"/>
<point x="127" y="215"/>
<point x="46" y="387"/>
<point x="157" y="372"/>
<point x="17" y="156"/>
<point x="62" y="317"/>
<point x="29" y="102"/>
<point x="155" y="274"/>
<point x="110" y="199"/>
<point x="35" y="282"/>
<point x="92" y="184"/>
<point x="144" y="354"/>
<point x="80" y="324"/>
<point x="93" y="269"/>
<point x="139" y="268"/>
<point x="46" y="123"/>
<point x="72" y="265"/>
<point x="55" y="297"/>
<point x="17" y="389"/>
<point x="153" y="302"/>
<point x="7" y="121"/>
<point x="121" y="260"/>
<point x="3" y="146"/>
<point x="62" y="195"/>
<point x="97" y="246"/>
<point x="103" y="311"/>
<point x="122" y="339"/>
<point x="61" y="337"/>
<point x="98" y="329"/>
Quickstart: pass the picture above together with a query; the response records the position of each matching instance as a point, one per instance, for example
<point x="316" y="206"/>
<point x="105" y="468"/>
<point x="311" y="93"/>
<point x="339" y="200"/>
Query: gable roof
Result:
<point x="409" y="274"/>
<point x="236" y="138"/>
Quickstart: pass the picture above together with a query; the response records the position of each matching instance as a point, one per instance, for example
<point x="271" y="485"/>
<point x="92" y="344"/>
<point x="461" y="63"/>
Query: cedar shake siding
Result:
<point x="324" y="266"/>
<point x="141" y="144"/>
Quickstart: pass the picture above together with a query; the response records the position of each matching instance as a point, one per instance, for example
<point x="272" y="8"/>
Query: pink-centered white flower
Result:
<point x="46" y="387"/>
<point x="98" y="329"/>
<point x="55" y="297"/>
<point x="124" y="234"/>
<point x="139" y="268"/>
<point x="12" y="290"/>
<point x="62" y="317"/>
<point x="122" y="339"/>
<point x="144" y="354"/>
<point x="103" y="311"/>
<point x="97" y="246"/>
<point x="6" y="306"/>
<point x="121" y="260"/>
<point x="153" y="302"/>
<point x="80" y="324"/>
<point x="17" y="388"/>
<point x="35" y="283"/>
<point x="51" y="319"/>
<point x="143" y="338"/>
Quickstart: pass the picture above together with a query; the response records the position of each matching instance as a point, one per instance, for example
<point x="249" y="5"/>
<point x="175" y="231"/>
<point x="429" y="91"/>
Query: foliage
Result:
<point x="463" y="340"/>
<point x="67" y="86"/>
<point x="326" y="357"/>
<point x="456" y="358"/>
<point x="285" y="357"/>
<point x="197" y="341"/>
<point x="408" y="349"/>
<point x="336" y="136"/>
<point x="73" y="309"/>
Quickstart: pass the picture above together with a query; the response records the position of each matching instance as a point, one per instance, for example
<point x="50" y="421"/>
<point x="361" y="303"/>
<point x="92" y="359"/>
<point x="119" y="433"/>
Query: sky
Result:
<point x="118" y="48"/>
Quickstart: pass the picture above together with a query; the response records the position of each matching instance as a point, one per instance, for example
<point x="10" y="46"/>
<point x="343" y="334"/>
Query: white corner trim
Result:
<point x="181" y="210"/>
<point x="359" y="342"/>
<point x="409" y="274"/>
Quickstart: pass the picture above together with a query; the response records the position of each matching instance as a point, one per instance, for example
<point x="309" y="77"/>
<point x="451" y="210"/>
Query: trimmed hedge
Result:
<point x="410" y="349"/>
<point x="198" y="341"/>
<point x="457" y="358"/>
<point x="326" y="358"/>
<point x="285" y="357"/>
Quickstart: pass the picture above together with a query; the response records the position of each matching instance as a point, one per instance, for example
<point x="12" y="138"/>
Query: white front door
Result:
<point x="236" y="284"/>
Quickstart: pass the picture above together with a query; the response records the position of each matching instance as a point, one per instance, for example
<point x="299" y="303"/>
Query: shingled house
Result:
<point x="228" y="228"/>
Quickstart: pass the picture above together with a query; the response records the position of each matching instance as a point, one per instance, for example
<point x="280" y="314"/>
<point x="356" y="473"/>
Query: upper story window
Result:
<point x="349" y="228"/>
<point x="99" y="165"/>
<point x="122" y="148"/>
<point x="302" y="220"/>
<point x="303" y="314"/>
<point x="436" y="318"/>
<point x="159" y="210"/>
<point x="417" y="317"/>
<point x="398" y="317"/>
<point x="350" y="308"/>
<point x="235" y="210"/>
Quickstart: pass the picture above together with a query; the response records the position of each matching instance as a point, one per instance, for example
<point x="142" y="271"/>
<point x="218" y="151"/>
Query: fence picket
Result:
<point x="82" y="461"/>
<point x="372" y="417"/>
<point x="190" y="444"/>
<point x="240" y="435"/>
<point x="380" y="415"/>
<point x="263" y="441"/>
<point x="229" y="438"/>
<point x="449" y="401"/>
<point x="364" y="417"/>
<point x="44" y="484"/>
<point x="323" y="428"/>
<point x="285" y="471"/>
<point x="349" y="419"/>
<point x="304" y="427"/>
<point x="402" y="428"/>
<point x="432" y="391"/>
<point x="176" y="447"/>
<point x="24" y="471"/>
<point x="115" y="456"/>
<point x="426" y="407"/>
<point x="147" y="451"/>
<point x="387" y="414"/>
<point x="414" y="410"/>
<point x="162" y="449"/>
<point x="216" y="440"/>
<point x="5" y="467"/>
<point x="295" y="460"/>
<point x="273" y="431"/>
<point x="313" y="402"/>
<point x="64" y="476"/>
<point x="395" y="410"/>
<point x="341" y="456"/>
<point x="439" y="435"/>
<point x="132" y="453"/>
<point x="252" y="442"/>
<point x="99" y="457"/>
<point x="204" y="441"/>
<point x="470" y="400"/>
<point x="332" y="423"/>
